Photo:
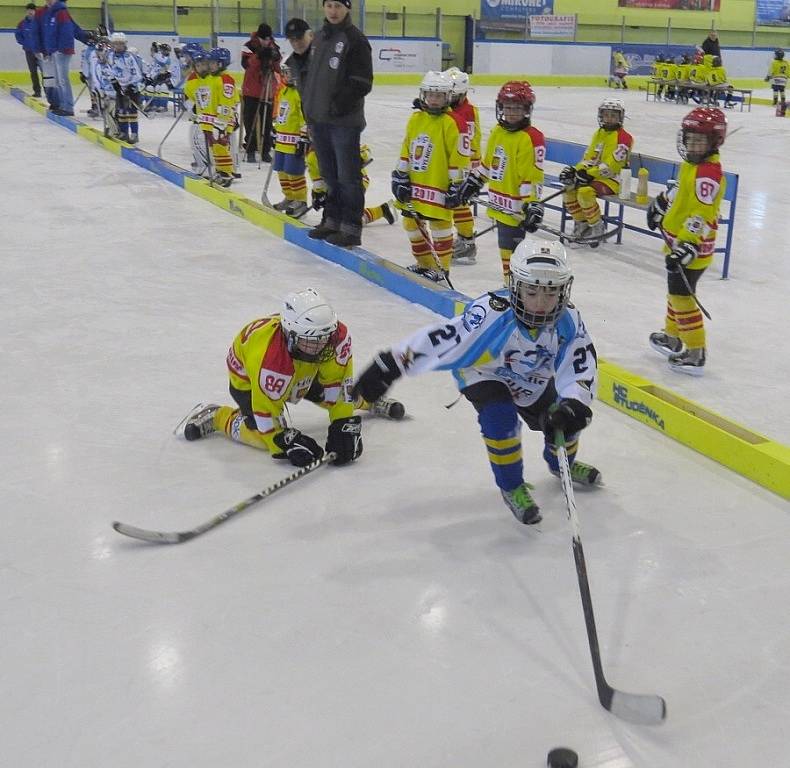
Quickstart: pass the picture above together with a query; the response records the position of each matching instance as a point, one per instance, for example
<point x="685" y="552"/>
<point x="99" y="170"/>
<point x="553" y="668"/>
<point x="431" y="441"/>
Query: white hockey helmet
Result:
<point x="117" y="37"/>
<point x="607" y="118"/>
<point x="309" y="323"/>
<point x="460" y="82"/>
<point x="540" y="282"/>
<point x="435" y="82"/>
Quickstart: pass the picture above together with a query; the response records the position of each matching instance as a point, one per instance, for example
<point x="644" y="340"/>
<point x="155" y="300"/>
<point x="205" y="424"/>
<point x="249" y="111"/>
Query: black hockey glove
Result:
<point x="298" y="448"/>
<point x="656" y="211"/>
<point x="533" y="215"/>
<point x="682" y="254"/>
<point x="583" y="178"/>
<point x="318" y="200"/>
<point x="568" y="176"/>
<point x="570" y="416"/>
<point x="401" y="186"/>
<point x="471" y="187"/>
<point x="377" y="378"/>
<point x="345" y="439"/>
<point x="453" y="197"/>
<point x="302" y="145"/>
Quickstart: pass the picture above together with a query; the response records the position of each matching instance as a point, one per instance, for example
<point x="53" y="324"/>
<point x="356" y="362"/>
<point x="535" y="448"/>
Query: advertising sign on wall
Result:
<point x="673" y="5"/>
<point x="514" y="10"/>
<point x="773" y="12"/>
<point x="545" y="25"/>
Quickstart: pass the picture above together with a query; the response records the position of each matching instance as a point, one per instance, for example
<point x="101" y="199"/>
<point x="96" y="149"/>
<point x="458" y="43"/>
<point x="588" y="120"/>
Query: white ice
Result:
<point x="392" y="612"/>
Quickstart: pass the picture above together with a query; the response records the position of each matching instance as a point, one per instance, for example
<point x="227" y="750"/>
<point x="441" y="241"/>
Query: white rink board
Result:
<point x="389" y="54"/>
<point x="541" y="59"/>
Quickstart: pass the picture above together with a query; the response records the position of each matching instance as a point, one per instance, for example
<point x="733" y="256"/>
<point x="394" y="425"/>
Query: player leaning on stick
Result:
<point x="513" y="169"/>
<point x="778" y="73"/>
<point x="688" y="216"/>
<point x="301" y="353"/>
<point x="521" y="353"/>
<point x="427" y="180"/>
<point x="597" y="174"/>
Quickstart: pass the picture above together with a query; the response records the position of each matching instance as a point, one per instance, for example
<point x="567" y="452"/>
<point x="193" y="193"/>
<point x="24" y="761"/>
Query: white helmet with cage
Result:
<point x="118" y="38"/>
<point x="309" y="323"/>
<point x="460" y="83"/>
<point x="540" y="282"/>
<point x="433" y="84"/>
<point x="611" y="114"/>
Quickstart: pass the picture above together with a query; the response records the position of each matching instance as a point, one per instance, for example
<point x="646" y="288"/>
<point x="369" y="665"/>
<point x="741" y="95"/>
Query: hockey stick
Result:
<point x="636" y="708"/>
<point x="208" y="158"/>
<point x="420" y="222"/>
<point x="177" y="537"/>
<point x="170" y="130"/>
<point x="685" y="279"/>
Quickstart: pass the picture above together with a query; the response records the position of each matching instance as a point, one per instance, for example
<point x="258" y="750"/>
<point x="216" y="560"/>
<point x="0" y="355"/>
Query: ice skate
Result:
<point x="283" y="205"/>
<point x="464" y="250"/>
<point x="296" y="208"/>
<point x="387" y="408"/>
<point x="689" y="361"/>
<point x="520" y="502"/>
<point x="665" y="344"/>
<point x="583" y="474"/>
<point x="198" y="423"/>
<point x="594" y="233"/>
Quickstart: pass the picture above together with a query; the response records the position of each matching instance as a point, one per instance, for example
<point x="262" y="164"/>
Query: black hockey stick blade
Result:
<point x="177" y="537"/>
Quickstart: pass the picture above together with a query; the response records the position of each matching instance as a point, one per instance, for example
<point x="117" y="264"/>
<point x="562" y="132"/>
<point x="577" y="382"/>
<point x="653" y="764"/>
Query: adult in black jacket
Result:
<point x="300" y="36"/>
<point x="710" y="45"/>
<point x="339" y="76"/>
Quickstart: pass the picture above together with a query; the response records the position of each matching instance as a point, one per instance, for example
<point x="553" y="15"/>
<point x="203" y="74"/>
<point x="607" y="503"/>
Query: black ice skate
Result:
<point x="665" y="344"/>
<point x="689" y="361"/>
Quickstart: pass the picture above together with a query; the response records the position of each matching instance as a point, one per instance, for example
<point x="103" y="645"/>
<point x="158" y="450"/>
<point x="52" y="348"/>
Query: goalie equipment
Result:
<point x="515" y="101"/>
<point x="701" y="133"/>
<point x="435" y="90"/>
<point x="611" y="114"/>
<point x="540" y="282"/>
<point x="309" y="324"/>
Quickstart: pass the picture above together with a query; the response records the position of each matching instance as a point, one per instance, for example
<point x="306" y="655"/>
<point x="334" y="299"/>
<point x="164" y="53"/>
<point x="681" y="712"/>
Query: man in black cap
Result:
<point x="339" y="76"/>
<point x="300" y="37"/>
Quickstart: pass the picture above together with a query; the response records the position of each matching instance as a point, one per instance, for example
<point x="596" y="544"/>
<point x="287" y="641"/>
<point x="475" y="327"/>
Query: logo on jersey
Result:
<point x="334" y="62"/>
<point x="498" y="303"/>
<point x="531" y="359"/>
<point x="474" y="317"/>
<point x="203" y="97"/>
<point x="235" y="365"/>
<point x="228" y="89"/>
<point x="343" y="352"/>
<point x="498" y="164"/>
<point x="421" y="151"/>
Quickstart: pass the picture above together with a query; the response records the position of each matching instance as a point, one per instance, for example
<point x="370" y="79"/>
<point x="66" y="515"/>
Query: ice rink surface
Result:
<point x="392" y="612"/>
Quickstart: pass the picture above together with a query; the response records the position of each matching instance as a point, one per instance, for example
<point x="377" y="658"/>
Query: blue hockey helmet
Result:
<point x="197" y="54"/>
<point x="220" y="55"/>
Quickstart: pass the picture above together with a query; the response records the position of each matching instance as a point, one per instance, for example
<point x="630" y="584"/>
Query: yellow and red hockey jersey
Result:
<point x="226" y="98"/>
<point x="259" y="362"/>
<point x="200" y="90"/>
<point x="606" y="156"/>
<point x="289" y="122"/>
<point x="434" y="155"/>
<point x="513" y="167"/>
<point x="693" y="214"/>
<point x="467" y="118"/>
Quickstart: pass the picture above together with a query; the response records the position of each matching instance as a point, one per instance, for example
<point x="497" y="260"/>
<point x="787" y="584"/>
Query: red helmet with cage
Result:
<point x="518" y="93"/>
<point x="707" y="122"/>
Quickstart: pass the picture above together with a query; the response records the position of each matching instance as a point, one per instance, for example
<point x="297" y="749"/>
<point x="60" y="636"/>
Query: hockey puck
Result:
<point x="562" y="757"/>
<point x="397" y="411"/>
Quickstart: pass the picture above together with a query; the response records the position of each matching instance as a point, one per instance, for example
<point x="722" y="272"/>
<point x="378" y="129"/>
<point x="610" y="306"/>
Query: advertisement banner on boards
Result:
<point x="400" y="55"/>
<point x="773" y="12"/>
<point x="545" y="25"/>
<point x="673" y="5"/>
<point x="514" y="10"/>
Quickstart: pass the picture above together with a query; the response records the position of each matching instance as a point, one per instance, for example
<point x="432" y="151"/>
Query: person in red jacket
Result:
<point x="260" y="59"/>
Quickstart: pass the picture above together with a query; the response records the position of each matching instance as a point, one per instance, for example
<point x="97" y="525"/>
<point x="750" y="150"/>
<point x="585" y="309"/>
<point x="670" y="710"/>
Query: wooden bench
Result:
<point x="661" y="171"/>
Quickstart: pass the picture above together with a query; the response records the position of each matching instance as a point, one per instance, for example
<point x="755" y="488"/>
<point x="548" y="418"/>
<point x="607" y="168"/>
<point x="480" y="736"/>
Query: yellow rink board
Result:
<point x="754" y="456"/>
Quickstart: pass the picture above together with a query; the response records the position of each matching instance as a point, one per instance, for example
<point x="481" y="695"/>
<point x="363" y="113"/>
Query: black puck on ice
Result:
<point x="562" y="757"/>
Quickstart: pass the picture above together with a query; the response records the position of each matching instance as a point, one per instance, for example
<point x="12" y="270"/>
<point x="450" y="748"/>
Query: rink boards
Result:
<point x="748" y="453"/>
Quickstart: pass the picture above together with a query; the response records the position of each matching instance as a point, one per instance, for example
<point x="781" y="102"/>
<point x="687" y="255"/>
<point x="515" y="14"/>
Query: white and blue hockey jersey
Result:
<point x="127" y="69"/>
<point x="486" y="343"/>
<point x="101" y="77"/>
<point x="87" y="57"/>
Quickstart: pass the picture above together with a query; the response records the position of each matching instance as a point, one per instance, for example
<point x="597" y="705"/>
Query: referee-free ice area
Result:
<point x="391" y="612"/>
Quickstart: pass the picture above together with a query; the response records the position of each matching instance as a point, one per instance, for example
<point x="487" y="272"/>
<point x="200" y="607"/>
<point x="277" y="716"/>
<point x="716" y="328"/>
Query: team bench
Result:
<point x="709" y="95"/>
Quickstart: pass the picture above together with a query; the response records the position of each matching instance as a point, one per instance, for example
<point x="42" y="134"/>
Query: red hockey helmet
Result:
<point x="701" y="133"/>
<point x="518" y="93"/>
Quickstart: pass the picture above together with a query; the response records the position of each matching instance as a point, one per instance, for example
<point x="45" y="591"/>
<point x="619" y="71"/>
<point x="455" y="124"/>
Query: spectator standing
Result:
<point x="339" y="76"/>
<point x="59" y="31"/>
<point x="710" y="45"/>
<point x="26" y="36"/>
<point x="300" y="37"/>
<point x="260" y="59"/>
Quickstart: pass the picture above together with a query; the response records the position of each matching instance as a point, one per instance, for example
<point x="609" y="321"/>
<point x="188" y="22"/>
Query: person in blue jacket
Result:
<point x="26" y="36"/>
<point x="58" y="32"/>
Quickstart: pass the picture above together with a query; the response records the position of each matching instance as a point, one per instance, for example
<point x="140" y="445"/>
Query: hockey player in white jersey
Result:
<point x="523" y="352"/>
<point x="128" y="82"/>
<point x="101" y="84"/>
